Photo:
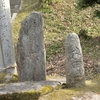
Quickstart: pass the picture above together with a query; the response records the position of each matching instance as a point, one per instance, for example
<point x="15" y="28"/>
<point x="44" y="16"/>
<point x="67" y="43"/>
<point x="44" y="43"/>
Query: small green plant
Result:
<point x="84" y="33"/>
<point x="47" y="2"/>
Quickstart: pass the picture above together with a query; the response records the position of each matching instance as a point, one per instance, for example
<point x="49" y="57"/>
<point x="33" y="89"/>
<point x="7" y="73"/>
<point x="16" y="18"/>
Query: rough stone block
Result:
<point x="31" y="51"/>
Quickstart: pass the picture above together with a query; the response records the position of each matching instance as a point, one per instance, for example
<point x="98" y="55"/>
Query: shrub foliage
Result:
<point x="86" y="3"/>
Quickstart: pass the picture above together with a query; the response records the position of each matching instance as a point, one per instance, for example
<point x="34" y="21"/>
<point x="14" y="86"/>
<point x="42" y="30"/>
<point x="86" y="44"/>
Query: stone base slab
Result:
<point x="26" y="86"/>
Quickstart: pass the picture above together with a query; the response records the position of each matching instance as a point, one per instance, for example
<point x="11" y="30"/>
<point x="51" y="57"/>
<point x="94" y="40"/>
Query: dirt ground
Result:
<point x="88" y="96"/>
<point x="57" y="66"/>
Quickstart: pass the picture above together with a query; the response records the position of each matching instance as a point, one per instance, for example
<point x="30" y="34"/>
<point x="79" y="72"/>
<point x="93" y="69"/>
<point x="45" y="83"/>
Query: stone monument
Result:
<point x="7" y="57"/>
<point x="15" y="7"/>
<point x="74" y="61"/>
<point x="30" y="50"/>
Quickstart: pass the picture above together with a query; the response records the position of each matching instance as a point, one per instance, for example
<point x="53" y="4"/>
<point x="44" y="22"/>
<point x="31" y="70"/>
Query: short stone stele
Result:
<point x="74" y="61"/>
<point x="30" y="50"/>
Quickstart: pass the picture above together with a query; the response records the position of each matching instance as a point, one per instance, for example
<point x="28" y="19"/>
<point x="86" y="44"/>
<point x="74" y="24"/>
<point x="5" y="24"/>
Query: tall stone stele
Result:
<point x="30" y="50"/>
<point x="7" y="57"/>
<point x="74" y="61"/>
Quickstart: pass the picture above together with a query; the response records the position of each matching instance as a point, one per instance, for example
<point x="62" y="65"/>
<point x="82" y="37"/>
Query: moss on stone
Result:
<point x="29" y="95"/>
<point x="46" y="89"/>
<point x="2" y="77"/>
<point x="14" y="78"/>
<point x="61" y="92"/>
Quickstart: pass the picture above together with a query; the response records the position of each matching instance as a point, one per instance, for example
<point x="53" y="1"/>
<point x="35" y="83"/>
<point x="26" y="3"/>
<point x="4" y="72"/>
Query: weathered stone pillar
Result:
<point x="7" y="57"/>
<point x="74" y="61"/>
<point x="30" y="50"/>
